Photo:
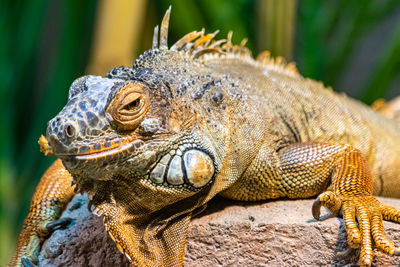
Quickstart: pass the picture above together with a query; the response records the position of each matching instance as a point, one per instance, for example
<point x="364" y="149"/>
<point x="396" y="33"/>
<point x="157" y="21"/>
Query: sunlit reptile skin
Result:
<point x="52" y="194"/>
<point x="152" y="144"/>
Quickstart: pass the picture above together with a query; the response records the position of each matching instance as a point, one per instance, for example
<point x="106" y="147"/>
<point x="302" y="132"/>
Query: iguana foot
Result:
<point x="51" y="196"/>
<point x="27" y="262"/>
<point x="369" y="213"/>
<point x="29" y="257"/>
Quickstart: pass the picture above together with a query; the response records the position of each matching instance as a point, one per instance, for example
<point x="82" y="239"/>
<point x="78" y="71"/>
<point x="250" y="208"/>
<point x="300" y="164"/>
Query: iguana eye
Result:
<point x="130" y="103"/>
<point x="129" y="106"/>
<point x="133" y="105"/>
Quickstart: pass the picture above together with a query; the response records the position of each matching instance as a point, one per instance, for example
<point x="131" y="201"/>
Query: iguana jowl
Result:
<point x="153" y="143"/>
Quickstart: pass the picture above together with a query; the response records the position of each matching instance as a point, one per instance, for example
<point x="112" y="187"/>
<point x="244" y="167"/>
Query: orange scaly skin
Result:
<point x="152" y="144"/>
<point x="52" y="194"/>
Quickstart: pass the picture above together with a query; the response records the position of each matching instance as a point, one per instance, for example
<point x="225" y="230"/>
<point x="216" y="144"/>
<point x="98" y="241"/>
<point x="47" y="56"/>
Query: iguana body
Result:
<point x="154" y="143"/>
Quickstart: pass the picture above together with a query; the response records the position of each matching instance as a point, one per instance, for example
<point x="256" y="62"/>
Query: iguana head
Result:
<point x="133" y="124"/>
<point x="128" y="122"/>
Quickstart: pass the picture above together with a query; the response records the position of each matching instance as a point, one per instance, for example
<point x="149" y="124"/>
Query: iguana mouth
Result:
<point x="96" y="150"/>
<point x="109" y="151"/>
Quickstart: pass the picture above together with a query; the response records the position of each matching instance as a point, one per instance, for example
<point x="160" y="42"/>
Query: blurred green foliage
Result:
<point x="45" y="45"/>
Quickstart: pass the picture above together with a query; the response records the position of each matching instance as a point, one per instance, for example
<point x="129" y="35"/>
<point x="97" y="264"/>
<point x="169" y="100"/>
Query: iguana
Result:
<point x="152" y="144"/>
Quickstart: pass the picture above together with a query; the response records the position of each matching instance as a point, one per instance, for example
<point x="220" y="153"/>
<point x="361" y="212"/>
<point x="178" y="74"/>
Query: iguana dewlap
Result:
<point x="152" y="144"/>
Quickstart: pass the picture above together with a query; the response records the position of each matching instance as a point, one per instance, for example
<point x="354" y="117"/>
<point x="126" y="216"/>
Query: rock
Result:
<point x="228" y="233"/>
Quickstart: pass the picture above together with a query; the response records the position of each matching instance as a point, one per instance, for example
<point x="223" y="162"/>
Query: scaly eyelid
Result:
<point x="122" y="117"/>
<point x="130" y="97"/>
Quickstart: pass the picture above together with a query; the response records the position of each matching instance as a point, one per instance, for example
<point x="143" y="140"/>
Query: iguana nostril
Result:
<point x="70" y="131"/>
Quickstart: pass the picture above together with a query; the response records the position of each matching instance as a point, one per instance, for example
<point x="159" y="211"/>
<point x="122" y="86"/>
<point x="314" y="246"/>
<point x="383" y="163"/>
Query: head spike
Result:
<point x="207" y="43"/>
<point x="164" y="30"/>
<point x="203" y="39"/>
<point x="264" y="56"/>
<point x="185" y="40"/>
<point x="155" y="38"/>
<point x="217" y="43"/>
<point x="206" y="50"/>
<point x="228" y="45"/>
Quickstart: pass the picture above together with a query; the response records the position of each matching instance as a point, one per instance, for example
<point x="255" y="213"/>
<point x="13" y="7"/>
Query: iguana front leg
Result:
<point x="52" y="194"/>
<point x="350" y="193"/>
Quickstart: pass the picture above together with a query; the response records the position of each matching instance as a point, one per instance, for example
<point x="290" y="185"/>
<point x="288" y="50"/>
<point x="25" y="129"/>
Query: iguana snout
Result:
<point x="82" y="126"/>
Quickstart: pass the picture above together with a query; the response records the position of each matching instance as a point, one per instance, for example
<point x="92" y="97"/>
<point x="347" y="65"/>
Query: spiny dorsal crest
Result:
<point x="198" y="45"/>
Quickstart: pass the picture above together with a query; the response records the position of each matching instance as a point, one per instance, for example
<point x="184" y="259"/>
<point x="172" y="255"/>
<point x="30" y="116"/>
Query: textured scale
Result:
<point x="152" y="144"/>
<point x="52" y="194"/>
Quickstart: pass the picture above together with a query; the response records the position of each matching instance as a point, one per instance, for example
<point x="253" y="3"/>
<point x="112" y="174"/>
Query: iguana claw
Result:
<point x="329" y="200"/>
<point x="58" y="224"/>
<point x="316" y="208"/>
<point x="346" y="253"/>
<point x="27" y="262"/>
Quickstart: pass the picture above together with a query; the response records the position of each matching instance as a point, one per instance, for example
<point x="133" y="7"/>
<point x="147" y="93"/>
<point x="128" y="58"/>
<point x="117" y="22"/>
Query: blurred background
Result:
<point x="351" y="45"/>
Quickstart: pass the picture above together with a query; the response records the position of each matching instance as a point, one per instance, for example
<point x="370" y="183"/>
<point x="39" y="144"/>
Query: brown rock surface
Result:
<point x="275" y="233"/>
